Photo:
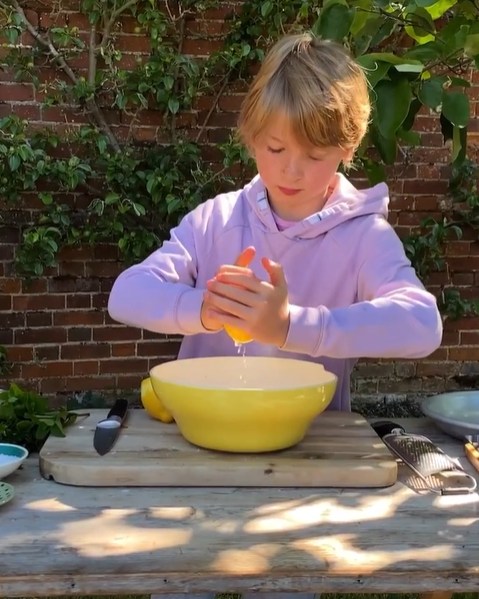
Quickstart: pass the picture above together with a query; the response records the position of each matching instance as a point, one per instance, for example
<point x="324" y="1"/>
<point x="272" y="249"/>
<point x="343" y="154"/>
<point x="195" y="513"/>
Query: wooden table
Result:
<point x="64" y="540"/>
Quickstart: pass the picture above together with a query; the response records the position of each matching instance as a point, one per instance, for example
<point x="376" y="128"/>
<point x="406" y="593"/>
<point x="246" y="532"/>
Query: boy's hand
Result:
<point x="209" y="313"/>
<point x="260" y="308"/>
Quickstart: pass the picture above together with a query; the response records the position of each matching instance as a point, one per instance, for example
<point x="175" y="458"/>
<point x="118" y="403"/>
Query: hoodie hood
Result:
<point x="345" y="203"/>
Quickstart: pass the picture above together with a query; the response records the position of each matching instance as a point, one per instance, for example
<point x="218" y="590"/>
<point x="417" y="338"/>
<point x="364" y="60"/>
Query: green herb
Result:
<point x="26" y="420"/>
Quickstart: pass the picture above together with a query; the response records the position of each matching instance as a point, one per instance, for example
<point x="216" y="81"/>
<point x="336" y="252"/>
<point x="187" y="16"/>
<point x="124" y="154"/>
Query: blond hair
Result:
<point x="317" y="86"/>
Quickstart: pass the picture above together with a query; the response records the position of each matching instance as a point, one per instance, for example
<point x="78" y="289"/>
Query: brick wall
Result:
<point x="57" y="333"/>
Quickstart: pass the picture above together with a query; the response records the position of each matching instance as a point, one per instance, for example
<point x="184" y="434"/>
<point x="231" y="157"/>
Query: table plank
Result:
<point x="65" y="540"/>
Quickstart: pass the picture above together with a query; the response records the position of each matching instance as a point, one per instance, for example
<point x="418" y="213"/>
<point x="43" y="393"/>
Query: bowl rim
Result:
<point x="24" y="450"/>
<point x="427" y="406"/>
<point x="332" y="377"/>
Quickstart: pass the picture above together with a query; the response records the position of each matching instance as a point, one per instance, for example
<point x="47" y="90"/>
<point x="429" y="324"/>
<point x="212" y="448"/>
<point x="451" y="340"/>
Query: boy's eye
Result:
<point x="275" y="150"/>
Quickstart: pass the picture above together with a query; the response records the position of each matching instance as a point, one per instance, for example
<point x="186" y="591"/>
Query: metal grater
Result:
<point x="425" y="458"/>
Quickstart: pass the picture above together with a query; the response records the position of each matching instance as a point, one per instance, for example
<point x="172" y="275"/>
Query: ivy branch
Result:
<point x="46" y="42"/>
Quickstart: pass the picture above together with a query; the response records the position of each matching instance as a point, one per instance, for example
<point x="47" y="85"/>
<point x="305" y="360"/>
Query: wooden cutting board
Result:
<point x="340" y="450"/>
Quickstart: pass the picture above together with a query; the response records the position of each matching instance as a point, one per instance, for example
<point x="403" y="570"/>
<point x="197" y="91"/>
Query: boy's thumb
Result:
<point x="275" y="271"/>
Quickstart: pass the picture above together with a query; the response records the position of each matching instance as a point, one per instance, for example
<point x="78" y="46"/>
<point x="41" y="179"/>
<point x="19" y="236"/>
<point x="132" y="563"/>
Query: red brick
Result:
<point x="80" y="300"/>
<point x="76" y="334"/>
<point x="10" y="286"/>
<point x="16" y="92"/>
<point x="85" y="367"/>
<point x="230" y="103"/>
<point x="39" y="319"/>
<point x="470" y="338"/>
<point x="439" y="369"/>
<point x="116" y="333"/>
<point x="47" y="352"/>
<point x="47" y="370"/>
<point x="41" y="335"/>
<point x="123" y="349"/>
<point x="121" y="366"/>
<point x="5" y="302"/>
<point x="19" y="353"/>
<point x="199" y="47"/>
<point x="34" y="286"/>
<point x="39" y="302"/>
<point x="428" y="187"/>
<point x="30" y="112"/>
<point x="77" y="317"/>
<point x="77" y="384"/>
<point x="139" y="44"/>
<point x="464" y="353"/>
<point x="85" y="351"/>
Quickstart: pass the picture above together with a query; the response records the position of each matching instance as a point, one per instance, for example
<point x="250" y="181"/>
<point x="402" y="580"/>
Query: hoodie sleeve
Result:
<point x="394" y="316"/>
<point x="159" y="294"/>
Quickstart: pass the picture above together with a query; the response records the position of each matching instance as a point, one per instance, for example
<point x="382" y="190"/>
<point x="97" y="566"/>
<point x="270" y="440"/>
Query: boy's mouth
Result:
<point x="288" y="191"/>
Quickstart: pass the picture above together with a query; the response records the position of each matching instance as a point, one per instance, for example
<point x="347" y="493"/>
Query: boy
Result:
<point x="301" y="261"/>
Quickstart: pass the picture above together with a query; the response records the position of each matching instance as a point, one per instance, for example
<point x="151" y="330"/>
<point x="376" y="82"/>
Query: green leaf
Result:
<point x="471" y="47"/>
<point x="429" y="51"/>
<point x="46" y="198"/>
<point x="392" y="105"/>
<point x="431" y="92"/>
<point x="14" y="162"/>
<point x="459" y="145"/>
<point x="387" y="147"/>
<point x="411" y="138"/>
<point x="266" y="8"/>
<point x="375" y="69"/>
<point x="455" y="107"/>
<point x="375" y="171"/>
<point x="438" y="7"/>
<point x="245" y="49"/>
<point x="334" y="21"/>
<point x="414" y="108"/>
<point x="173" y="105"/>
<point x="422" y="27"/>
<point x="399" y="62"/>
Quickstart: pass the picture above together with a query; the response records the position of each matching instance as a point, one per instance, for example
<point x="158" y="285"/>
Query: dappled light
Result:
<point x="109" y="533"/>
<point x="294" y="517"/>
<point x="342" y="553"/>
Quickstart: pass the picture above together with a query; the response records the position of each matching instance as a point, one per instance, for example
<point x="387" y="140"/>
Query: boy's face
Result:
<point x="297" y="177"/>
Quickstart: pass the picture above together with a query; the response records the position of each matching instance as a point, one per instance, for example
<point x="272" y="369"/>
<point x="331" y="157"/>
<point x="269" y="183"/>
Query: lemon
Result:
<point x="152" y="403"/>
<point x="238" y="335"/>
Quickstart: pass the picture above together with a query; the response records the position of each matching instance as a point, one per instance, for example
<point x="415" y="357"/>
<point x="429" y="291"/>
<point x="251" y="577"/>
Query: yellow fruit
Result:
<point x="238" y="335"/>
<point x="152" y="403"/>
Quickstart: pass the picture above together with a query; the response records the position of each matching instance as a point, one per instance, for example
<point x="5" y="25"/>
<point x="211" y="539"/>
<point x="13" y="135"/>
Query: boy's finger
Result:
<point x="246" y="256"/>
<point x="275" y="271"/>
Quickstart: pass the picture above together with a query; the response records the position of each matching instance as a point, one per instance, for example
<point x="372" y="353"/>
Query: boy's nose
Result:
<point x="293" y="169"/>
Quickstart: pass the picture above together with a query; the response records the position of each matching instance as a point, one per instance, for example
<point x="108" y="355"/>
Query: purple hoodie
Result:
<point x="352" y="291"/>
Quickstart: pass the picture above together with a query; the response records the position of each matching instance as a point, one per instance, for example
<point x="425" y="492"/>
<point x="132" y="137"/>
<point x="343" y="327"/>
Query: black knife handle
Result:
<point x="386" y="427"/>
<point x="119" y="410"/>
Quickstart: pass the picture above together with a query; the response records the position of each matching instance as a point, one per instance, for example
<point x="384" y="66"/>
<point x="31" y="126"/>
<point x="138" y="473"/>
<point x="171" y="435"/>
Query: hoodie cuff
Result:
<point x="188" y="312"/>
<point x="306" y="326"/>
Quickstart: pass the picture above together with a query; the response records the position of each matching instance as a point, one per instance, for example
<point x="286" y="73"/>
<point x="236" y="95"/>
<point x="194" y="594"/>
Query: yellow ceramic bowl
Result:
<point x="243" y="404"/>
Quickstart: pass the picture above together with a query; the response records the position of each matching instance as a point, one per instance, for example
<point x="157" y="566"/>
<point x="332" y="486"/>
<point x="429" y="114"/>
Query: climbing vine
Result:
<point x="417" y="54"/>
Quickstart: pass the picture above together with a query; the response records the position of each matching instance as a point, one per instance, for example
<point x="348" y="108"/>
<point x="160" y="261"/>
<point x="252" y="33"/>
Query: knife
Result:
<point x="108" y="429"/>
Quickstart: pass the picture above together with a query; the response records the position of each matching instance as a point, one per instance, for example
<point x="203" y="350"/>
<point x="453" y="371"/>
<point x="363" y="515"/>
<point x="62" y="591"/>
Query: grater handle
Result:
<point x="387" y="427"/>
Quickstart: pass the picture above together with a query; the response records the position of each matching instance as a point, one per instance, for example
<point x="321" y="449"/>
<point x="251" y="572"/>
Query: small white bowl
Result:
<point x="11" y="457"/>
